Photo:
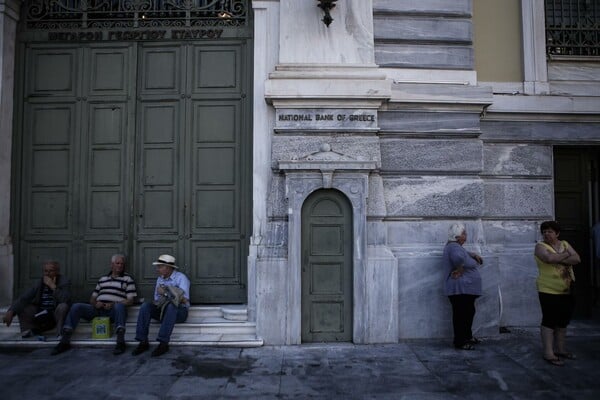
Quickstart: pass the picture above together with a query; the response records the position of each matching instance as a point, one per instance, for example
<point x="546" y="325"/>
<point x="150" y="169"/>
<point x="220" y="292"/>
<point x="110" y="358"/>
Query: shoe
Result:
<point x="61" y="347"/>
<point x="473" y="340"/>
<point x="567" y="355"/>
<point x="119" y="348"/>
<point x="557" y="362"/>
<point x="26" y="334"/>
<point x="142" y="347"/>
<point x="160" y="350"/>
<point x="466" y="346"/>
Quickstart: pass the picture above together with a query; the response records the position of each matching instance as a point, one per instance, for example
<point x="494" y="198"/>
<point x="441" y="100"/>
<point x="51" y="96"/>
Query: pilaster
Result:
<point x="9" y="15"/>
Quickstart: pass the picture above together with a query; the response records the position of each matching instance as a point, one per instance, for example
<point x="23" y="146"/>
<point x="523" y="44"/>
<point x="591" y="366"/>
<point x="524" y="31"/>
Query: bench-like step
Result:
<point x="206" y="325"/>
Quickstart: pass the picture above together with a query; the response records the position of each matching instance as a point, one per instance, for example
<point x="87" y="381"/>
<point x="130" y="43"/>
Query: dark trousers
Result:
<point x="557" y="309"/>
<point x="56" y="318"/>
<point x="463" y="312"/>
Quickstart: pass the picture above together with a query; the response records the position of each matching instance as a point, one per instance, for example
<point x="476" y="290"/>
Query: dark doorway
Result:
<point x="576" y="171"/>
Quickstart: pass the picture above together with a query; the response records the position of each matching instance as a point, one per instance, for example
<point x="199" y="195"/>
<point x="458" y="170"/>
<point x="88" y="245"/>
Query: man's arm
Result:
<point x="62" y="291"/>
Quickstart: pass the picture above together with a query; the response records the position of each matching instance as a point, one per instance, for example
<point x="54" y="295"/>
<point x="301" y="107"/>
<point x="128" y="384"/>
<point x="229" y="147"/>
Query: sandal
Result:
<point x="557" y="362"/>
<point x="567" y="355"/>
<point x="466" y="346"/>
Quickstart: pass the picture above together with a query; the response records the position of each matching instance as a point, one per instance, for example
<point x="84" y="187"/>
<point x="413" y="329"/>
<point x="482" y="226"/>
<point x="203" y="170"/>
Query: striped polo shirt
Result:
<point x="115" y="290"/>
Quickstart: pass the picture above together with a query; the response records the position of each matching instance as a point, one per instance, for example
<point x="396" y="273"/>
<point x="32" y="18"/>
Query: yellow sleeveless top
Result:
<point x="554" y="278"/>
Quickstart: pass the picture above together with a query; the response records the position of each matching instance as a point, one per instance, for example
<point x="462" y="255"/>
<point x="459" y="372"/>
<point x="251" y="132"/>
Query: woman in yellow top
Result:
<point x="555" y="259"/>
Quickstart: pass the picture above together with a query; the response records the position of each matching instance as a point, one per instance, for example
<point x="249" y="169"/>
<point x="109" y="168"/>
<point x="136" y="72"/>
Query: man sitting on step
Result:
<point x="44" y="305"/>
<point x="170" y="306"/>
<point x="114" y="292"/>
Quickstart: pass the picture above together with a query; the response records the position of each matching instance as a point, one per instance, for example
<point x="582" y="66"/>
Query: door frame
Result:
<point x="303" y="177"/>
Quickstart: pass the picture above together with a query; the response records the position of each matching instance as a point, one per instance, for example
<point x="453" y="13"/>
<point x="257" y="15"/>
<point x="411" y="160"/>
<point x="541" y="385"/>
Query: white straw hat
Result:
<point x="165" y="259"/>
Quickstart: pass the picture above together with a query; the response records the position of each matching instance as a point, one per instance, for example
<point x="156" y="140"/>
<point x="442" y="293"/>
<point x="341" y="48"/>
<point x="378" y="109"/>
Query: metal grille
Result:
<point x="573" y="27"/>
<point x="106" y="14"/>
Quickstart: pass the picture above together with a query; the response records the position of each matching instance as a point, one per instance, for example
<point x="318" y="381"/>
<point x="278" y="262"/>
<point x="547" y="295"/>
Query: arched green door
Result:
<point x="327" y="268"/>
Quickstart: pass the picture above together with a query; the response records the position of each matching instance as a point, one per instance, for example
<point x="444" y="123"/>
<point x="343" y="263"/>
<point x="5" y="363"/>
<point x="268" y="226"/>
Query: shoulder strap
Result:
<point x="546" y="245"/>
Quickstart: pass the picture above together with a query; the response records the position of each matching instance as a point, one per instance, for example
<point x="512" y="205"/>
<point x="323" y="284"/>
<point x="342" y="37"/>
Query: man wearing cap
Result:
<point x="168" y="313"/>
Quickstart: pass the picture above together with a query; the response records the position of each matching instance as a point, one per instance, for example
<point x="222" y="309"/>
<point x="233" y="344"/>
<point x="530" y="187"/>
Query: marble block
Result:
<point x="517" y="160"/>
<point x="432" y="196"/>
<point x="418" y="155"/>
<point x="512" y="198"/>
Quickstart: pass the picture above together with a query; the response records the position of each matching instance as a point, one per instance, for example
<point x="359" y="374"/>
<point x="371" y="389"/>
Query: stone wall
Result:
<point x="423" y="34"/>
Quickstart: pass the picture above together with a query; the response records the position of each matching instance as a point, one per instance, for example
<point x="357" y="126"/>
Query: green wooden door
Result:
<point x="327" y="268"/>
<point x="75" y="151"/>
<point x="138" y="149"/>
<point x="191" y="199"/>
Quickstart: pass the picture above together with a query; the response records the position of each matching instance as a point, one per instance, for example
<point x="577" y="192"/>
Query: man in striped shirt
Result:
<point x="114" y="292"/>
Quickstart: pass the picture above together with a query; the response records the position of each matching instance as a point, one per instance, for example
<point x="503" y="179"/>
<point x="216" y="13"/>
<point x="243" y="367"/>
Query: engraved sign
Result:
<point x="326" y="119"/>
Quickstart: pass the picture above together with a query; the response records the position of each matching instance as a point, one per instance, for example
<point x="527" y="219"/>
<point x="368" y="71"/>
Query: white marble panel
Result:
<point x="520" y="303"/>
<point x="381" y="295"/>
<point x="461" y="7"/>
<point x="271" y="301"/>
<point x="305" y="38"/>
<point x="432" y="29"/>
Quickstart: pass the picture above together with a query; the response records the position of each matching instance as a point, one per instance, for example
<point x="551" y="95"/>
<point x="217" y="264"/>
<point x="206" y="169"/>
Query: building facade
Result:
<point x="306" y="167"/>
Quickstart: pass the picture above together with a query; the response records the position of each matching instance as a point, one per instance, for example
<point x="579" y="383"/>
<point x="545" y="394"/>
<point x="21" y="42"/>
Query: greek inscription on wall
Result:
<point x="135" y="35"/>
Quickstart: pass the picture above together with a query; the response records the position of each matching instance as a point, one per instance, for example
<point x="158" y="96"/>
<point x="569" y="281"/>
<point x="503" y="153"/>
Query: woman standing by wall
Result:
<point x="555" y="259"/>
<point x="463" y="285"/>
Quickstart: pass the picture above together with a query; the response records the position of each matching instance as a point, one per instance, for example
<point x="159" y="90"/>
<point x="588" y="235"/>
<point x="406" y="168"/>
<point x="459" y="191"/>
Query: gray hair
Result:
<point x="115" y="256"/>
<point x="455" y="230"/>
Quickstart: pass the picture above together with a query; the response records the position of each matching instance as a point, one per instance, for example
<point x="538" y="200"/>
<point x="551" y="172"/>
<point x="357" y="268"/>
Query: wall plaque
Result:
<point x="318" y="119"/>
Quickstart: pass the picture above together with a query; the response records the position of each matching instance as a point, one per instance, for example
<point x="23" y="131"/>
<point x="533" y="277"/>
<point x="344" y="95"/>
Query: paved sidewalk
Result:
<point x="508" y="366"/>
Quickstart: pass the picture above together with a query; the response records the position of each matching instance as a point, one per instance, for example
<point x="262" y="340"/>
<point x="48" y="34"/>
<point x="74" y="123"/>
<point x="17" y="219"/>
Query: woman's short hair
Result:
<point x="454" y="231"/>
<point x="550" y="225"/>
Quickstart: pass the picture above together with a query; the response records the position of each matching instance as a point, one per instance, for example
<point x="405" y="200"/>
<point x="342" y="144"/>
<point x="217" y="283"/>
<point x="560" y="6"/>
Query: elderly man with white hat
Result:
<point x="170" y="306"/>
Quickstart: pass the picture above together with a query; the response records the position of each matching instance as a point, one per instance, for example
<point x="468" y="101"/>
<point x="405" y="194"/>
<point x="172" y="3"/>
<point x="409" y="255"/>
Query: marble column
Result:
<point x="9" y="15"/>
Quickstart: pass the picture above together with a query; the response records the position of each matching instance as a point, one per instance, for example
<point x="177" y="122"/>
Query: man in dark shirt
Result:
<point x="44" y="305"/>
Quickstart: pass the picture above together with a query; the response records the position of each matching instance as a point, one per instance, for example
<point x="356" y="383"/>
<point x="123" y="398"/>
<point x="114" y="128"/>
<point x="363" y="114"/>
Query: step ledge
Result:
<point x="110" y="343"/>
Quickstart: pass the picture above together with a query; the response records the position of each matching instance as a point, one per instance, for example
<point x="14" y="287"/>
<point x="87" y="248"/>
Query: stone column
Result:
<point x="9" y="15"/>
<point x="266" y="33"/>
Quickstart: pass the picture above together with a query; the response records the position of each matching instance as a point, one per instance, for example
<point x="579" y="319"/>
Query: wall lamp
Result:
<point x="326" y="6"/>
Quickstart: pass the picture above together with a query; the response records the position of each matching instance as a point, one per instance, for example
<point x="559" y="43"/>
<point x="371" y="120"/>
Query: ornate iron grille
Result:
<point x="106" y="14"/>
<point x="573" y="27"/>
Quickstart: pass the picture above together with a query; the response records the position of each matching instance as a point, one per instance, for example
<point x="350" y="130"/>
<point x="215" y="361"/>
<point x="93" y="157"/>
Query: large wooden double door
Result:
<point x="135" y="148"/>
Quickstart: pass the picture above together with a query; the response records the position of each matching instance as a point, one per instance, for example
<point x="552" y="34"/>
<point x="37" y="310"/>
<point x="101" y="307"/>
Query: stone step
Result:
<point x="226" y="325"/>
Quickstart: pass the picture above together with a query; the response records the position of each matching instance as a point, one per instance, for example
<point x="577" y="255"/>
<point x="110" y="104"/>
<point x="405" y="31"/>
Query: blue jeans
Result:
<point x="171" y="316"/>
<point x="117" y="314"/>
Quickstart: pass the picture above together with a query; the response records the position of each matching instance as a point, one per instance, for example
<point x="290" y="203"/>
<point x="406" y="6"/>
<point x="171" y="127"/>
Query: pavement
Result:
<point x="506" y="366"/>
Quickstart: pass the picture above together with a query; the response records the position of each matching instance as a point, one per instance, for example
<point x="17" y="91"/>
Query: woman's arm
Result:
<point x="573" y="257"/>
<point x="544" y="254"/>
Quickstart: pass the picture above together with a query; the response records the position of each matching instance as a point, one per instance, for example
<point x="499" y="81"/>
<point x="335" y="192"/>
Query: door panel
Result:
<point x="52" y="71"/>
<point x="326" y="268"/>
